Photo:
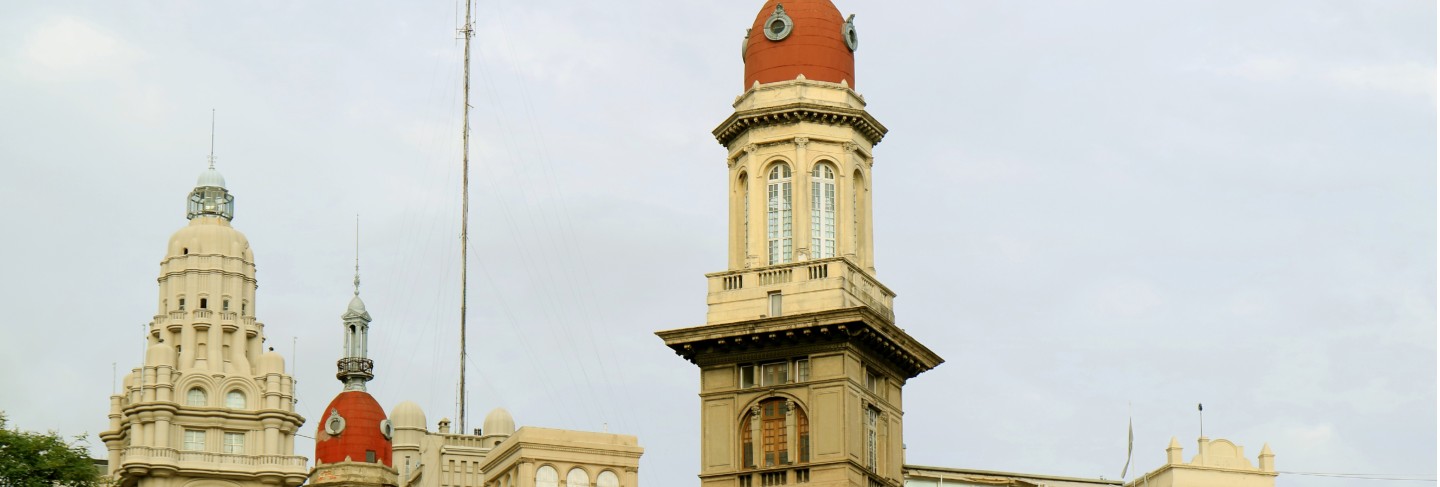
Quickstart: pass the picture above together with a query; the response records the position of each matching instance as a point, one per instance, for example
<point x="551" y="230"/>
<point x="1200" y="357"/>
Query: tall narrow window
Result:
<point x="182" y="304"/>
<point x="747" y="376"/>
<point x="857" y="187"/>
<point x="234" y="443"/>
<point x="802" y="370"/>
<point x="225" y="305"/>
<point x="822" y="211"/>
<point x="744" y="219"/>
<point x="872" y="416"/>
<point x="778" y="218"/>
<point x="195" y="440"/>
<point x="204" y="303"/>
<point x="775" y="304"/>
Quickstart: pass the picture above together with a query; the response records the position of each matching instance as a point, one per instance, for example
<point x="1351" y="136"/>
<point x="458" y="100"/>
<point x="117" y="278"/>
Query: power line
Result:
<point x="1364" y="476"/>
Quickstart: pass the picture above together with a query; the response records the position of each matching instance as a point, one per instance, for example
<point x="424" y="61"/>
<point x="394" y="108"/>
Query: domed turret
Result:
<point x="210" y="198"/>
<point x="210" y="178"/>
<point x="498" y="422"/>
<point x="159" y="354"/>
<point x="354" y="428"/>
<point x="408" y="415"/>
<point x="272" y="362"/>
<point x="800" y="37"/>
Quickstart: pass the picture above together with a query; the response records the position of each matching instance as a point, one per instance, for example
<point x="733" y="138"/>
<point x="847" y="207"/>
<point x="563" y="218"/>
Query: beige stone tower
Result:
<point x="209" y="404"/>
<point x="801" y="365"/>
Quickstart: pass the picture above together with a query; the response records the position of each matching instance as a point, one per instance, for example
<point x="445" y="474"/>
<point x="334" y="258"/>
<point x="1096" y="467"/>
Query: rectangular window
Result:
<point x="204" y="303"/>
<point x="370" y="456"/>
<point x="873" y="381"/>
<point x="774" y="304"/>
<point x="234" y="443"/>
<point x="182" y="304"/>
<point x="195" y="440"/>
<point x="773" y="374"/>
<point x="225" y="305"/>
<point x="871" y="417"/>
<point x="747" y="376"/>
<point x="802" y="370"/>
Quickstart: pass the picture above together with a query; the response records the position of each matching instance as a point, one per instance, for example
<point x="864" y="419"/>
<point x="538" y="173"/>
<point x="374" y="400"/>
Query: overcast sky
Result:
<point x="1087" y="208"/>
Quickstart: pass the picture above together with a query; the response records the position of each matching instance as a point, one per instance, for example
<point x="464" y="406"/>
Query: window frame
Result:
<point x="779" y="214"/>
<point x="194" y="440"/>
<point x="228" y="446"/>
<point x="230" y="396"/>
<point x="190" y="395"/>
<point x="823" y="196"/>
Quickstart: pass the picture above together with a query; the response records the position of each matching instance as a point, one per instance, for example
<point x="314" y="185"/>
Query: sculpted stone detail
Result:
<point x="801" y="142"/>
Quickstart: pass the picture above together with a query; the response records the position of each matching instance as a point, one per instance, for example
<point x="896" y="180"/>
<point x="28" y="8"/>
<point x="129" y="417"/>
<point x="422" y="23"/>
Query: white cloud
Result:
<point x="67" y="46"/>
<point x="1410" y="78"/>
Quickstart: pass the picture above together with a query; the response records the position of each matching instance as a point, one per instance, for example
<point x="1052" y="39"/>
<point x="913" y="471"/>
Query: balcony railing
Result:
<point x="146" y="454"/>
<point x="815" y="285"/>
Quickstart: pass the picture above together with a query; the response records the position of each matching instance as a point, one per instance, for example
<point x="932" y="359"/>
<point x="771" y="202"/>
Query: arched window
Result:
<point x="546" y="476"/>
<point x="196" y="397"/>
<point x="607" y="479"/>
<point x="577" y="478"/>
<point x="857" y="214"/>
<point x="822" y="211"/>
<point x="783" y="431"/>
<point x="744" y="190"/>
<point x="235" y="400"/>
<point x="778" y="218"/>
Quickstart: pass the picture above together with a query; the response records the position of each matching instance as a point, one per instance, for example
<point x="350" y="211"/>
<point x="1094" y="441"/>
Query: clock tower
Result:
<point x="801" y="364"/>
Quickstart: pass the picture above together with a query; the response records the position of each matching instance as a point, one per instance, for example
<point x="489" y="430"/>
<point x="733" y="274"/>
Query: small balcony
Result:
<point x="802" y="287"/>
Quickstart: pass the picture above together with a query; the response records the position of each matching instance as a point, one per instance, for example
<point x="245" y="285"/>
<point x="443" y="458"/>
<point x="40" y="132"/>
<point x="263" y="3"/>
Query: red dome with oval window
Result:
<point x="801" y="37"/>
<point x="353" y="426"/>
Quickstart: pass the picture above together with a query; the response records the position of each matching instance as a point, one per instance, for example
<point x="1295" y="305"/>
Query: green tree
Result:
<point x="44" y="460"/>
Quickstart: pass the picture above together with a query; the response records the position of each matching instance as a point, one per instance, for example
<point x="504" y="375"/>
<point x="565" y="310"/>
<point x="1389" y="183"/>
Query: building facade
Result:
<point x="1216" y="462"/>
<point x="210" y="406"/>
<point x="802" y="367"/>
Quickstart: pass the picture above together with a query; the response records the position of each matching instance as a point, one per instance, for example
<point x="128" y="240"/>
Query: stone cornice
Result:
<point x="795" y="112"/>
<point x="717" y="344"/>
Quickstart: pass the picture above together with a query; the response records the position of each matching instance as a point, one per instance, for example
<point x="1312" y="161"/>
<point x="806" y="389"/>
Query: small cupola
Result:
<point x="210" y="198"/>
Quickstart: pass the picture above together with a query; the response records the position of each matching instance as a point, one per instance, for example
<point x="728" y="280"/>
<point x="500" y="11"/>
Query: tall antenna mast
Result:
<point x="469" y="32"/>
<point x="212" y="139"/>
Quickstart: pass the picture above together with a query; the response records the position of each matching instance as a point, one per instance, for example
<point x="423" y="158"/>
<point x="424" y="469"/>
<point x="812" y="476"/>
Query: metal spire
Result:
<point x="212" y="139"/>
<point x="357" y="254"/>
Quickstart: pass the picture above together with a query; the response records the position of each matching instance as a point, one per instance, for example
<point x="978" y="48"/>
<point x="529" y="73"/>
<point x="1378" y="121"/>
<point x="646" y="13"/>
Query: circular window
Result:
<point x="335" y="424"/>
<point x="779" y="25"/>
<point x="386" y="429"/>
<point x="852" y="40"/>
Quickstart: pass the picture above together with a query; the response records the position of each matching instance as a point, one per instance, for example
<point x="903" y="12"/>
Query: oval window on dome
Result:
<point x="334" y="424"/>
<point x="386" y="428"/>
<point x="779" y="25"/>
<point x="847" y="31"/>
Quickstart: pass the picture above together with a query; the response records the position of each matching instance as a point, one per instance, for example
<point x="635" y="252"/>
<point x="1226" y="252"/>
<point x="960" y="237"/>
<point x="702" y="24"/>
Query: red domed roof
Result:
<point x="358" y="431"/>
<point x="815" y="45"/>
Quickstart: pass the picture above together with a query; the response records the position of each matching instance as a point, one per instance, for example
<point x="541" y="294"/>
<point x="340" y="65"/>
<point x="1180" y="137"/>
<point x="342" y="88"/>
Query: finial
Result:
<point x="212" y="139"/>
<point x="357" y="254"/>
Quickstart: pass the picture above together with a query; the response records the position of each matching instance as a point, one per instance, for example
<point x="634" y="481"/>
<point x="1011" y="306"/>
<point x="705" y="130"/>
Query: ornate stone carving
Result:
<point x="801" y="142"/>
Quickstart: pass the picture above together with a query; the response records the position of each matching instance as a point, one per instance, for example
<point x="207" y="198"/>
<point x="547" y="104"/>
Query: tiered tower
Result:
<point x="353" y="441"/>
<point x="208" y="403"/>
<point x="801" y="364"/>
